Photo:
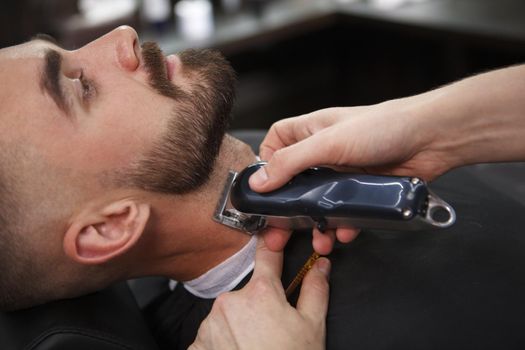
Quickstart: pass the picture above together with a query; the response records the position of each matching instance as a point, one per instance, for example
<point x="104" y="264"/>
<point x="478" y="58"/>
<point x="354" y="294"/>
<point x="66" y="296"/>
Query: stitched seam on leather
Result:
<point x="79" y="331"/>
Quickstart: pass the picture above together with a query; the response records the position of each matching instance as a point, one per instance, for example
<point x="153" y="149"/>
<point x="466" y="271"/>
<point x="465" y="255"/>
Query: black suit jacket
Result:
<point x="459" y="288"/>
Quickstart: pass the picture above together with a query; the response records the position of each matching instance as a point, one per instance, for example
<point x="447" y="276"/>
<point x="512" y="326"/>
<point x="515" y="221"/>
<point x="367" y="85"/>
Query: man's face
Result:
<point x="110" y="105"/>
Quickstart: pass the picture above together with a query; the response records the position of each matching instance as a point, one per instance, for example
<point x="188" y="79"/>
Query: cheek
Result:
<point x="119" y="127"/>
<point x="117" y="133"/>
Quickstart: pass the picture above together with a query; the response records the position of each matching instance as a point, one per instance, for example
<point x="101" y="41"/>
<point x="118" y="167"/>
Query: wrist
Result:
<point x="448" y="126"/>
<point x="481" y="119"/>
<point x="427" y="135"/>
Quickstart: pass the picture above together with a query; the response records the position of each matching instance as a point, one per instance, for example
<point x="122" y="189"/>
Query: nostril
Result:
<point x="126" y="55"/>
<point x="129" y="55"/>
<point x="137" y="51"/>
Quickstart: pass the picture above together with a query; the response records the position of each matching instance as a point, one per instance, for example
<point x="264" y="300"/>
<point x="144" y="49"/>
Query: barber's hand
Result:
<point x="381" y="139"/>
<point x="259" y="317"/>
<point x="475" y="120"/>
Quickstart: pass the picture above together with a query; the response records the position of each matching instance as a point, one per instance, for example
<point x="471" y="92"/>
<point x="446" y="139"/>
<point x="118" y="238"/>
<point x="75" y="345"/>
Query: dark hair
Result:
<point x="16" y="264"/>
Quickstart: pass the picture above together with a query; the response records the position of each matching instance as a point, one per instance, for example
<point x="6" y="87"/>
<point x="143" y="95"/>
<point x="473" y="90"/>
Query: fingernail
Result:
<point x="323" y="264"/>
<point x="259" y="177"/>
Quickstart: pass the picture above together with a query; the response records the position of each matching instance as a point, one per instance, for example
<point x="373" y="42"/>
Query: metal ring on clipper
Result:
<point x="434" y="204"/>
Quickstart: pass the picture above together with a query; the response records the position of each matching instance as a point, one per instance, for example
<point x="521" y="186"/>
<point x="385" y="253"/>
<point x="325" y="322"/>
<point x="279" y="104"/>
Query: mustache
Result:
<point x="155" y="65"/>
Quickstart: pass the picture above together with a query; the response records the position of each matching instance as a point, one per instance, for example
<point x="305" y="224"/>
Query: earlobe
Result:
<point x="97" y="236"/>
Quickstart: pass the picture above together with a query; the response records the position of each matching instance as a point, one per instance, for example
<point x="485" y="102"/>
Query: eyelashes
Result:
<point x="88" y="87"/>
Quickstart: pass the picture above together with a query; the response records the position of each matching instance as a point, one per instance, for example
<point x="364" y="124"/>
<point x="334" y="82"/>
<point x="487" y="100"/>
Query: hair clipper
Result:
<point x="329" y="199"/>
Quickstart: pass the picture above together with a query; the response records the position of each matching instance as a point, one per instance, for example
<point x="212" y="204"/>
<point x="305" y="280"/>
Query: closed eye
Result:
<point x="88" y="87"/>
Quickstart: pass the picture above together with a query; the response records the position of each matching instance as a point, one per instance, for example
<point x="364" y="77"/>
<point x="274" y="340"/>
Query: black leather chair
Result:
<point x="107" y="320"/>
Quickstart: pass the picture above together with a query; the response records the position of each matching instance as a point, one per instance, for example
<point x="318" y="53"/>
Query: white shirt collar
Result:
<point x="225" y="276"/>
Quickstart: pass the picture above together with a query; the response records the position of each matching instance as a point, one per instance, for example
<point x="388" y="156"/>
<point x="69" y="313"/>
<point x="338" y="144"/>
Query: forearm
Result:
<point x="478" y="119"/>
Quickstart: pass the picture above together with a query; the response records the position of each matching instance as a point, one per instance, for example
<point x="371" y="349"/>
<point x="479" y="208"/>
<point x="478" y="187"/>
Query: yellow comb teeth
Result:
<point x="302" y="272"/>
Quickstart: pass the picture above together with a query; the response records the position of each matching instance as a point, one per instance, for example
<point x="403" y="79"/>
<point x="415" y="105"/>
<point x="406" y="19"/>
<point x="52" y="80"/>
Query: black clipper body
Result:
<point x="328" y="199"/>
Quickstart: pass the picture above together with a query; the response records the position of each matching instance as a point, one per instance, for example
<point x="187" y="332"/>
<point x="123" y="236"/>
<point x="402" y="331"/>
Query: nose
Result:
<point x="120" y="45"/>
<point x="117" y="49"/>
<point x="125" y="40"/>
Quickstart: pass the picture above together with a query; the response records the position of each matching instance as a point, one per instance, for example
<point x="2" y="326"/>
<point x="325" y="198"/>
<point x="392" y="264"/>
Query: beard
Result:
<point x="183" y="158"/>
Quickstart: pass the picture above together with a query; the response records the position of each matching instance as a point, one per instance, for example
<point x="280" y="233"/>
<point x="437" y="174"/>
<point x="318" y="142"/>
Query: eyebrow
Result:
<point x="50" y="79"/>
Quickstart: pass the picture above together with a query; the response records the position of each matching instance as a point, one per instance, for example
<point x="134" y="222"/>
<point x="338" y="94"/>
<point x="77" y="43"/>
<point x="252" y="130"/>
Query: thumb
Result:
<point x="289" y="161"/>
<point x="267" y="263"/>
<point x="313" y="299"/>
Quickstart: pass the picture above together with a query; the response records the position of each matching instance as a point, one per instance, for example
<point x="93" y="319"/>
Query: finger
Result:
<point x="313" y="299"/>
<point x="323" y="242"/>
<point x="289" y="161"/>
<point x="288" y="131"/>
<point x="276" y="238"/>
<point x="346" y="235"/>
<point x="280" y="135"/>
<point x="267" y="263"/>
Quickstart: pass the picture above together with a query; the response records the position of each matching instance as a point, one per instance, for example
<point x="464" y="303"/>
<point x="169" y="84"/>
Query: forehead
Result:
<point x="21" y="98"/>
<point x="19" y="71"/>
<point x="31" y="122"/>
<point x="31" y="49"/>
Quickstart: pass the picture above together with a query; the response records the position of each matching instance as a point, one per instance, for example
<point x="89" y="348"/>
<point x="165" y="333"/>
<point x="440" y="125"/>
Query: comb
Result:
<point x="302" y="272"/>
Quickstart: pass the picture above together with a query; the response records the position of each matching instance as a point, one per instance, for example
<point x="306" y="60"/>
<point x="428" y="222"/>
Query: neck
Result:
<point x="183" y="240"/>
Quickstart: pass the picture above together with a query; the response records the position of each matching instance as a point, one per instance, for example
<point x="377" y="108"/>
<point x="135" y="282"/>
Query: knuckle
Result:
<point x="279" y="156"/>
<point x="275" y="125"/>
<point x="319" y="284"/>
<point x="261" y="286"/>
<point x="274" y="129"/>
<point x="222" y="302"/>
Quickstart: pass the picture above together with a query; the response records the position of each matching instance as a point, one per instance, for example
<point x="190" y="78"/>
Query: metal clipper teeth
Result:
<point x="226" y="215"/>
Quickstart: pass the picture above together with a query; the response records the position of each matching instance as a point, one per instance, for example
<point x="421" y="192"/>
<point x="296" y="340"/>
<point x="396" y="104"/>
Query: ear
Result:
<point x="99" y="235"/>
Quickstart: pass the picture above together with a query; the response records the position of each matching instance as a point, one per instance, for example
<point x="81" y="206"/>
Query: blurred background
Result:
<point x="296" y="56"/>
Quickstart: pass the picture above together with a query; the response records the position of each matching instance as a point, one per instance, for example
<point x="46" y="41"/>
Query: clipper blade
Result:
<point x="225" y="213"/>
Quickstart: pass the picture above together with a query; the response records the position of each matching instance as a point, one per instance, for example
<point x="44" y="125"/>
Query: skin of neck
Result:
<point x="181" y="240"/>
